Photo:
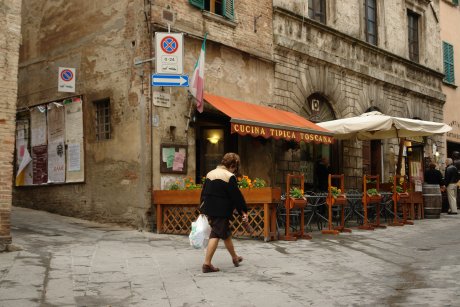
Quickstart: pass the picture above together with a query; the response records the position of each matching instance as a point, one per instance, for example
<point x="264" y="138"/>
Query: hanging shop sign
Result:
<point x="277" y="133"/>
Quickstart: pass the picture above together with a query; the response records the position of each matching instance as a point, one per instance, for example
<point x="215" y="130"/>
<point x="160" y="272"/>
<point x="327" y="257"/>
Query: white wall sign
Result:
<point x="162" y="99"/>
<point x="169" y="53"/>
<point x="66" y="80"/>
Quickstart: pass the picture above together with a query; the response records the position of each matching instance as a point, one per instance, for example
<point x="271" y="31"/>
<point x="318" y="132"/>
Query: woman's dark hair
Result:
<point x="432" y="165"/>
<point x="231" y="159"/>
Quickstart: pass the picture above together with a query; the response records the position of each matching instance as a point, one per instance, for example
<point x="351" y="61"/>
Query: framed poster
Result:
<point x="173" y="158"/>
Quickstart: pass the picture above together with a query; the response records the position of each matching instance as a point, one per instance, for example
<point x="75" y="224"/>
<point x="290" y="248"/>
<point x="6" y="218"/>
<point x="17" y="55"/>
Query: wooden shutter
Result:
<point x="448" y="55"/>
<point x="228" y="9"/>
<point x="198" y="3"/>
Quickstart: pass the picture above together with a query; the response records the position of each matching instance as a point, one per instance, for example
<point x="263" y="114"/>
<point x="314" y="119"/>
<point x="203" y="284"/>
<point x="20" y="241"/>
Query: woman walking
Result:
<point x="219" y="198"/>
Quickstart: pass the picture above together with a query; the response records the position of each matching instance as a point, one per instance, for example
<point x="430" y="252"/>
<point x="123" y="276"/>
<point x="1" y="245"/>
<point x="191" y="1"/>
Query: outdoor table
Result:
<point x="316" y="201"/>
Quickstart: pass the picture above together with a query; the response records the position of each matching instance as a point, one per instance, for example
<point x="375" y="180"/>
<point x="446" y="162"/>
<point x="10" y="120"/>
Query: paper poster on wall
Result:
<point x="179" y="158"/>
<point x="75" y="162"/>
<point x="40" y="164"/>
<point x="22" y="130"/>
<point x="21" y="173"/>
<point x="56" y="162"/>
<point x="55" y="123"/>
<point x="38" y="126"/>
<point x="73" y="120"/>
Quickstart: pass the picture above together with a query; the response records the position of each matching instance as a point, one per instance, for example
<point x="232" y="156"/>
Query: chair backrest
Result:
<point x="396" y="180"/>
<point x="341" y="179"/>
<point x="289" y="179"/>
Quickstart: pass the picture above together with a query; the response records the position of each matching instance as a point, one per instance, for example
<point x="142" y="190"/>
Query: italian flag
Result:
<point x="197" y="81"/>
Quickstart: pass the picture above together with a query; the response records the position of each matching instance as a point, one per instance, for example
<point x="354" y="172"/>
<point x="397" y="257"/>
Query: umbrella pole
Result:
<point x="400" y="153"/>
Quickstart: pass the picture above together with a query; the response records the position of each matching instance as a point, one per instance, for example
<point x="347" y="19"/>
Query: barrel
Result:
<point x="432" y="201"/>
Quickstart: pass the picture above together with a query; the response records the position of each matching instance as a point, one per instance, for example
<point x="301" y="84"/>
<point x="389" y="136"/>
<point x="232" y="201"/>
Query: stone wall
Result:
<point x="238" y="65"/>
<point x="101" y="40"/>
<point x="10" y="36"/>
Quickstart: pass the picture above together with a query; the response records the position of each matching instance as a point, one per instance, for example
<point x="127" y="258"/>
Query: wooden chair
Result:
<point x="291" y="203"/>
<point x="374" y="199"/>
<point x="403" y="198"/>
<point x="341" y="200"/>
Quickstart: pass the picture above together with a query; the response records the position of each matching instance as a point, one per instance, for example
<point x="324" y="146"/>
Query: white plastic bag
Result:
<point x="199" y="236"/>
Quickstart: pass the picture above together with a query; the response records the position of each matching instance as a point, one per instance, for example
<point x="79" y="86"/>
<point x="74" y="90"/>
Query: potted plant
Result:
<point x="373" y="196"/>
<point x="296" y="198"/>
<point x="336" y="196"/>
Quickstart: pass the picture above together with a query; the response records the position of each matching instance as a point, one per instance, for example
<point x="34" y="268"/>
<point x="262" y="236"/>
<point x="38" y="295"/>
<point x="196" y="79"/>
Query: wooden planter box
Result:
<point x="373" y="199"/>
<point x="176" y="209"/>
<point x="339" y="200"/>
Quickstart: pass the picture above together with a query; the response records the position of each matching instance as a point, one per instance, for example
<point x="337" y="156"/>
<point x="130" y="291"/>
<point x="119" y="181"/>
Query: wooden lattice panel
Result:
<point x="178" y="220"/>
<point x="256" y="221"/>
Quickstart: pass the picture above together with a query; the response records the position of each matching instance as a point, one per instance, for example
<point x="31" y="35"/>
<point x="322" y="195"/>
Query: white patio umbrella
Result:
<point x="377" y="126"/>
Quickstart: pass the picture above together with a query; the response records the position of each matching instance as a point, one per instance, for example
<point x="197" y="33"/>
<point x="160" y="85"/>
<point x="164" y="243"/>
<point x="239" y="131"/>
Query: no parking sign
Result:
<point x="66" y="80"/>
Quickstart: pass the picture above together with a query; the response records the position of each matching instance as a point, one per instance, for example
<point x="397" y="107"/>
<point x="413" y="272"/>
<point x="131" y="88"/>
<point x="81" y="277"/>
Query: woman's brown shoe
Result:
<point x="237" y="260"/>
<point x="209" y="268"/>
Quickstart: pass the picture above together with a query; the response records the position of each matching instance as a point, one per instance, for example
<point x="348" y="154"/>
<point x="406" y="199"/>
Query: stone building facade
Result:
<point x="103" y="44"/>
<point x="10" y="37"/>
<point x="267" y="52"/>
<point x="331" y="58"/>
<point x="101" y="40"/>
<point x="450" y="23"/>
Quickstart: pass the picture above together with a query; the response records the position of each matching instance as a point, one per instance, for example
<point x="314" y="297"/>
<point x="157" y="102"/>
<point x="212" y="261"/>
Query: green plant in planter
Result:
<point x="296" y="193"/>
<point x="399" y="189"/>
<point x="335" y="192"/>
<point x="372" y="192"/>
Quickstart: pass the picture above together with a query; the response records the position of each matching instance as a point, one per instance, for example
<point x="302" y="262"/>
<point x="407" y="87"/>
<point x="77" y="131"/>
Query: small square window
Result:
<point x="103" y="126"/>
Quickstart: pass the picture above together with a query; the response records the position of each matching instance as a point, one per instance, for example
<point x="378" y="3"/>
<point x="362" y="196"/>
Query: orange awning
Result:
<point x="255" y="120"/>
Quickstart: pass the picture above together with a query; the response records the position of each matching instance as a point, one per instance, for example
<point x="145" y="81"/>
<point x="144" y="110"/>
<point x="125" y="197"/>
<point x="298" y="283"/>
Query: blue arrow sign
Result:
<point x="169" y="80"/>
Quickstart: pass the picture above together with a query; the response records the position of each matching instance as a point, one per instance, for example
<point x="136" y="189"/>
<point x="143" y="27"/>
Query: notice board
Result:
<point x="173" y="158"/>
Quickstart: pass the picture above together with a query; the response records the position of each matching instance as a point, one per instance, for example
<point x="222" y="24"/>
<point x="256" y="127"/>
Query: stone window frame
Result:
<point x="102" y="119"/>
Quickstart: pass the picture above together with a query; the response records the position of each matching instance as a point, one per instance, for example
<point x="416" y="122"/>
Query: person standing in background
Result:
<point x="433" y="175"/>
<point x="450" y="179"/>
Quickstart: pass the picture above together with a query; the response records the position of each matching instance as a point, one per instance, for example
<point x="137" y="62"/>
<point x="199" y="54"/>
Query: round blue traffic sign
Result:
<point x="169" y="44"/>
<point x="66" y="75"/>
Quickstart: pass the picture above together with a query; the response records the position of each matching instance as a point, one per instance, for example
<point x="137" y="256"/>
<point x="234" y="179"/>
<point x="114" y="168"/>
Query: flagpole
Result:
<point x="190" y="98"/>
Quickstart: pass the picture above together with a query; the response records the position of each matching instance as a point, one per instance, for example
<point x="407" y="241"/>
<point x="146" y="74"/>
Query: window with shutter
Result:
<point x="448" y="55"/>
<point x="223" y="8"/>
<point x="198" y="3"/>
<point x="227" y="7"/>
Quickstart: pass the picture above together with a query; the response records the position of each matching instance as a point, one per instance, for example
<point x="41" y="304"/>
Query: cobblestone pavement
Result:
<point x="70" y="262"/>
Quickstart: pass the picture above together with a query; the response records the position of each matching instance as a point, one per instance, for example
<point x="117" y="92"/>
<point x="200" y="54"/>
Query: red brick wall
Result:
<point x="10" y="25"/>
